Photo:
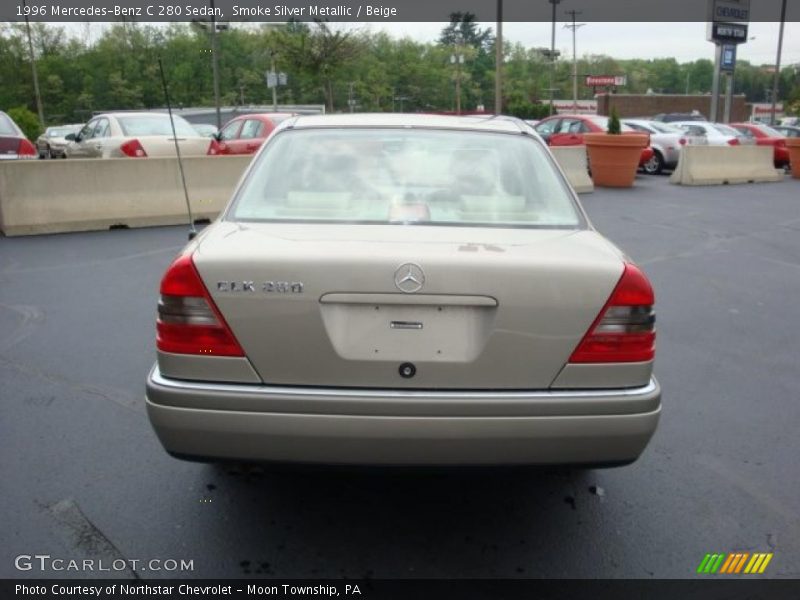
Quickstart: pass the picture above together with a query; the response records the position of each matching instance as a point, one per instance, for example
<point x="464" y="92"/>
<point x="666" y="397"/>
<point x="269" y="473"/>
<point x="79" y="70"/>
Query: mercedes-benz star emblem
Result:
<point x="409" y="278"/>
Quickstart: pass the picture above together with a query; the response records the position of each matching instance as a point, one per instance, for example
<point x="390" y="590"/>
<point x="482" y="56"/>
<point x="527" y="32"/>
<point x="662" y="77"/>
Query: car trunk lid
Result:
<point x="160" y="146"/>
<point x="353" y="305"/>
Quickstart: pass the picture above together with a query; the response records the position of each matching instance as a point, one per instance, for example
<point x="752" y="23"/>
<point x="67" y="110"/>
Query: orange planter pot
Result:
<point x="793" y="144"/>
<point x="614" y="159"/>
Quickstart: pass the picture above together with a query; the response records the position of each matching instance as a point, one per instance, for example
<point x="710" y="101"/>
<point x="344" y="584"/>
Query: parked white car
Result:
<point x="137" y="135"/>
<point x="716" y="134"/>
<point x="666" y="140"/>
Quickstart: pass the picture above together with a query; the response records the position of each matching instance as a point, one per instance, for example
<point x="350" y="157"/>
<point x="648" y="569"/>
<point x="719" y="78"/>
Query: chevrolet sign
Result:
<point x="729" y="11"/>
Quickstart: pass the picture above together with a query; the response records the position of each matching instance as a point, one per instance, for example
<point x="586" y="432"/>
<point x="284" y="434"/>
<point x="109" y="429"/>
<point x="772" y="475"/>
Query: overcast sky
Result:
<point x="683" y="41"/>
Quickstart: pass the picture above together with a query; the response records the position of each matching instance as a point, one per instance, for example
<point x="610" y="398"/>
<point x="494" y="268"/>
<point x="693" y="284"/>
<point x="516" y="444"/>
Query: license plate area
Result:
<point x="427" y="330"/>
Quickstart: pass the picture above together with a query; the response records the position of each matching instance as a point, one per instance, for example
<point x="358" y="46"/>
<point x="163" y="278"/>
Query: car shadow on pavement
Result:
<point x="402" y="522"/>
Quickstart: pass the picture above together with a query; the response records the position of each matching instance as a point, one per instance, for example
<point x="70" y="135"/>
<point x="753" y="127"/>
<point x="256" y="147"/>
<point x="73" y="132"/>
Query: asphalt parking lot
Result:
<point x="84" y="476"/>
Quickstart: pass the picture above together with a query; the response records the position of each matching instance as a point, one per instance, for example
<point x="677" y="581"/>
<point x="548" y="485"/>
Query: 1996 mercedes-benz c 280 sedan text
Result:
<point x="404" y="289"/>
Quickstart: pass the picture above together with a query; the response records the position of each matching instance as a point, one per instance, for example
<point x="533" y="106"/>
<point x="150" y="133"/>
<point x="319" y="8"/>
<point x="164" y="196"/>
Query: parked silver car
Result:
<point x="666" y="140"/>
<point x="53" y="143"/>
<point x="421" y="290"/>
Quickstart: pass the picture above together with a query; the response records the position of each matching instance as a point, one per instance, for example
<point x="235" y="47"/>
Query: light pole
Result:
<point x="553" y="53"/>
<point x="457" y="59"/>
<point x="498" y="61"/>
<point x="574" y="28"/>
<point x="274" y="87"/>
<point x="215" y="64"/>
<point x="39" y="108"/>
<point x="351" y="101"/>
<point x="777" y="65"/>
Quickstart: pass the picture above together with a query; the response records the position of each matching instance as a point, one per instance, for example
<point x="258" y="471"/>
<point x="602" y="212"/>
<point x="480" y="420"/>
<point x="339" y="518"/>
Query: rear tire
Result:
<point x="655" y="165"/>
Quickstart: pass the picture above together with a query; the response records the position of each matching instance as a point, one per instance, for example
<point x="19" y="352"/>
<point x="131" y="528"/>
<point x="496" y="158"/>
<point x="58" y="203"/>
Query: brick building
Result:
<point x="647" y="105"/>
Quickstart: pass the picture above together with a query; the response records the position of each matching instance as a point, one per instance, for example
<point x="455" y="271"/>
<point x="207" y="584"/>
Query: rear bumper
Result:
<point x="392" y="427"/>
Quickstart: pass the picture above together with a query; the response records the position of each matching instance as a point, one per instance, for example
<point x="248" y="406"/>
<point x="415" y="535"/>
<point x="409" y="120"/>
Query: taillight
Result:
<point x="214" y="148"/>
<point x="188" y="320"/>
<point x="733" y="142"/>
<point x="682" y="141"/>
<point x="26" y="148"/>
<point x="133" y="149"/>
<point x="624" y="331"/>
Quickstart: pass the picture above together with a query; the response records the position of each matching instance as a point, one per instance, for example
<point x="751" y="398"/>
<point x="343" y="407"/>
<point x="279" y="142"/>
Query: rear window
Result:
<point x="276" y="119"/>
<point x="61" y="131"/>
<point x="726" y="130"/>
<point x="602" y="122"/>
<point x="421" y="176"/>
<point x="770" y="131"/>
<point x="7" y="126"/>
<point x="154" y="125"/>
<point x="665" y="128"/>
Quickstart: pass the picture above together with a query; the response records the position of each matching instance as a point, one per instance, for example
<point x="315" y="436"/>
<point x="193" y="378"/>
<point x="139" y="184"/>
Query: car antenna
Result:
<point x="192" y="230"/>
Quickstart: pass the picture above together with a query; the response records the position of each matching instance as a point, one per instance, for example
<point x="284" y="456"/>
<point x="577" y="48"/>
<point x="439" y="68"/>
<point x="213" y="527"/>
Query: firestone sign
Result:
<point x="606" y="80"/>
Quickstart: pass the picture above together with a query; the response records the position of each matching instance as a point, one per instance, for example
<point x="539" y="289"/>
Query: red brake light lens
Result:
<point x="733" y="142"/>
<point x="26" y="148"/>
<point x="624" y="331"/>
<point x="133" y="149"/>
<point x="188" y="320"/>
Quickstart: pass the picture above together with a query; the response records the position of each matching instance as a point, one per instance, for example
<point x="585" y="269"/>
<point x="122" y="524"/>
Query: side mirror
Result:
<point x="71" y="137"/>
<point x="218" y="136"/>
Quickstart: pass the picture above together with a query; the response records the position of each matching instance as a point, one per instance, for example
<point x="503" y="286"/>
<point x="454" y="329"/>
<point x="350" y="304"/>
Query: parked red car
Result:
<point x="13" y="143"/>
<point x="245" y="133"/>
<point x="568" y="130"/>
<point x="764" y="135"/>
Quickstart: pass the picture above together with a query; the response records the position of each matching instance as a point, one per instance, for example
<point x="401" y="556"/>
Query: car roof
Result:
<point x="263" y="114"/>
<point x="501" y="124"/>
<point x="135" y="114"/>
<point x="571" y="116"/>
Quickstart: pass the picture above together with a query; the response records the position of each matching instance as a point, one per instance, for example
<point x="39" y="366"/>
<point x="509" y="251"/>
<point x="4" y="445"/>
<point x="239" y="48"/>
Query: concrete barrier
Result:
<point x="55" y="196"/>
<point x="717" y="165"/>
<point x="573" y="161"/>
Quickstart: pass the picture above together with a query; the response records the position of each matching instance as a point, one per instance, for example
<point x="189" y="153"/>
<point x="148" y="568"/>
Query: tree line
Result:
<point x="325" y="64"/>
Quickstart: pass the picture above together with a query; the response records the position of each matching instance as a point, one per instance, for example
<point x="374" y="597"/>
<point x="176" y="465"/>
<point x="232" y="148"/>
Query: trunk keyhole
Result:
<point x="407" y="370"/>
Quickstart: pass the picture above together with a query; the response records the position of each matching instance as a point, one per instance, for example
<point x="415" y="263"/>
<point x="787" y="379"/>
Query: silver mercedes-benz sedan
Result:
<point x="409" y="290"/>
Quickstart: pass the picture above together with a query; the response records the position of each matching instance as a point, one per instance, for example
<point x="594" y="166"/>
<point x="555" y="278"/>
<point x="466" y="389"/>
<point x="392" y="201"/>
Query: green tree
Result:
<point x="27" y="121"/>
